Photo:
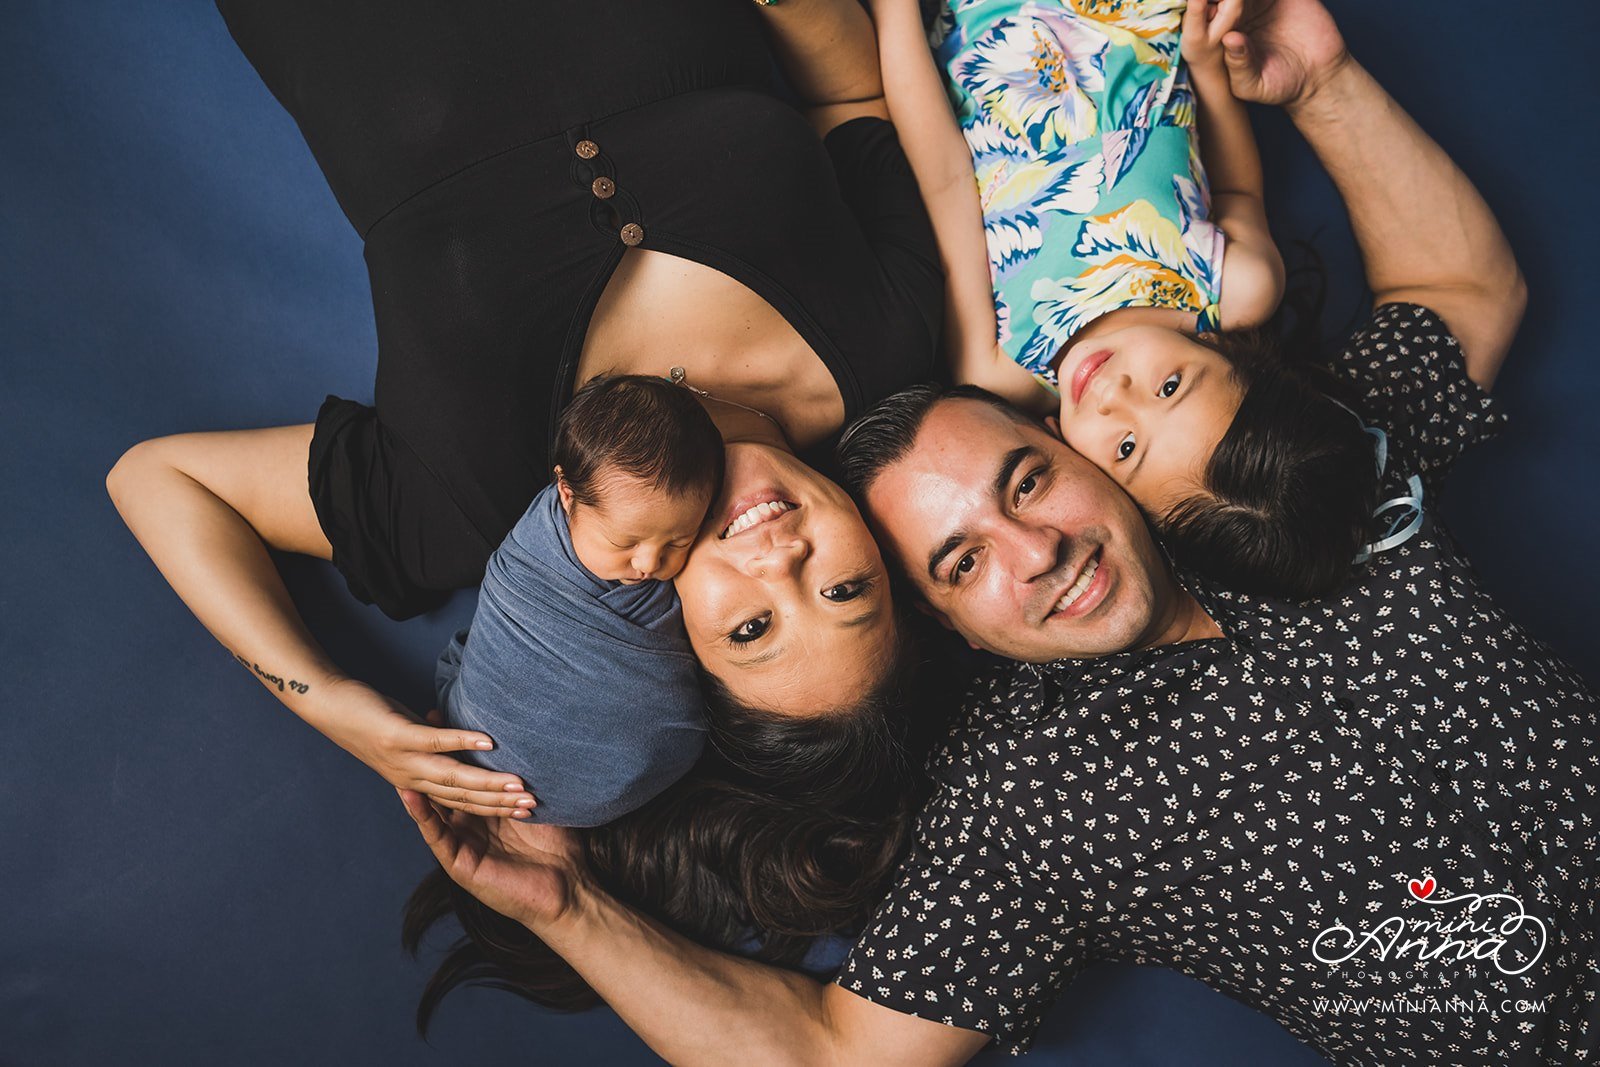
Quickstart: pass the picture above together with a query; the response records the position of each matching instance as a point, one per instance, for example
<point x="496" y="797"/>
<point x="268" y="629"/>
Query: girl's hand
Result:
<point x="409" y="754"/>
<point x="1205" y="24"/>
<point x="525" y="871"/>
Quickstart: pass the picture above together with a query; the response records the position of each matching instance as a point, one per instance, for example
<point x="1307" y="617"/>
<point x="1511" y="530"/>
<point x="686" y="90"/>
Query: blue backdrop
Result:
<point x="188" y="873"/>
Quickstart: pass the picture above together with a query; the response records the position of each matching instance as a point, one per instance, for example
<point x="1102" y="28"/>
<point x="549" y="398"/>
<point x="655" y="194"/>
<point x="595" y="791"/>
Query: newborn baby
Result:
<point x="576" y="662"/>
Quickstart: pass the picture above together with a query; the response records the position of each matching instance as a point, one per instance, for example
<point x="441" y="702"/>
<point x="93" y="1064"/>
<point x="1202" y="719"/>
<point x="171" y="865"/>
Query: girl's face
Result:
<point x="1148" y="406"/>
<point x="634" y="530"/>
<point x="785" y="596"/>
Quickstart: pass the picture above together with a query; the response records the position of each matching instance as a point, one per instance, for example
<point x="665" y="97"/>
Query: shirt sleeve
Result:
<point x="398" y="538"/>
<point x="877" y="185"/>
<point x="966" y="938"/>
<point x="1409" y="377"/>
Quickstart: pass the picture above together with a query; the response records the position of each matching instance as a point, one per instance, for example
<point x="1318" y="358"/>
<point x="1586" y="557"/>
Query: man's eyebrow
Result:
<point x="1002" y="483"/>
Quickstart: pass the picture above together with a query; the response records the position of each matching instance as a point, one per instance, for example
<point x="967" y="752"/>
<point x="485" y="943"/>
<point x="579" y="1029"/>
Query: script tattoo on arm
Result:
<point x="277" y="681"/>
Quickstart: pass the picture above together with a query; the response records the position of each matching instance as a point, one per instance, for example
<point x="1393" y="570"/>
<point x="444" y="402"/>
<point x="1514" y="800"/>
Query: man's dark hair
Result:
<point x="642" y="426"/>
<point x="1289" y="490"/>
<point x="882" y="437"/>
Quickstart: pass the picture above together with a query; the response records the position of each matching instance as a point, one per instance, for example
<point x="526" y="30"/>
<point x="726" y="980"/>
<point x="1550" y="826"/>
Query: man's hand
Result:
<point x="524" y="871"/>
<point x="409" y="754"/>
<point x="1283" y="51"/>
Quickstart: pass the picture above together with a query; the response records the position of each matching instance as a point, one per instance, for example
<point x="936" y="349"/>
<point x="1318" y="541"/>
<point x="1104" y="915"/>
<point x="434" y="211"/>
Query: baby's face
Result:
<point x="635" y="531"/>
<point x="1148" y="406"/>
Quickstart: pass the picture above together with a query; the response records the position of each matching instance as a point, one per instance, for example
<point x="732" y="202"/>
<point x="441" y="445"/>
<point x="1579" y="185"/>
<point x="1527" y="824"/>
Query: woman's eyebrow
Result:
<point x="761" y="659"/>
<point x="864" y="618"/>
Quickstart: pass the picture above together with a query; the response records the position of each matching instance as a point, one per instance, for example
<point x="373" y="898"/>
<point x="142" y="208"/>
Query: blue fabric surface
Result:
<point x="587" y="687"/>
<point x="191" y="875"/>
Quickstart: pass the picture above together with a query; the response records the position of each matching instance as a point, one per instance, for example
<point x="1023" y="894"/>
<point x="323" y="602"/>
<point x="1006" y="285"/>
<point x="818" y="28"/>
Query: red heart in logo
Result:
<point x="1422" y="890"/>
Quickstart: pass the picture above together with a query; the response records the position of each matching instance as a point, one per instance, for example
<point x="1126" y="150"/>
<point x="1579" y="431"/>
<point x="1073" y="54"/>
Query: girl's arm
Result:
<point x="942" y="163"/>
<point x="206" y="507"/>
<point x="1252" y="270"/>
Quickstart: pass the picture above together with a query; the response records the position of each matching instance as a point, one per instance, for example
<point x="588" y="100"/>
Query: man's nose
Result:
<point x="777" y="556"/>
<point x="1113" y="392"/>
<point x="1033" y="550"/>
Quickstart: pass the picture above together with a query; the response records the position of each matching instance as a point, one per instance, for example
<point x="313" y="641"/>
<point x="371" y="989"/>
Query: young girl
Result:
<point x="576" y="662"/>
<point x="1094" y="275"/>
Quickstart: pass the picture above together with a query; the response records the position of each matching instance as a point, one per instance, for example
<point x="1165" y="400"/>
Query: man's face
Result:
<point x="1015" y="541"/>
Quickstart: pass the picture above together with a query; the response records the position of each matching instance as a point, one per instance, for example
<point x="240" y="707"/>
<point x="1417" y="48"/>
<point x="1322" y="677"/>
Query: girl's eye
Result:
<point x="846" y="590"/>
<point x="750" y="630"/>
<point x="1125" y="447"/>
<point x="1170" y="386"/>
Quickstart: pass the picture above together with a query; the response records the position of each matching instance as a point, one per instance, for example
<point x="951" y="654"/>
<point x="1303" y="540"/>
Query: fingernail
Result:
<point x="485" y="744"/>
<point x="524" y="802"/>
<point x="513" y="787"/>
<point x="520" y="813"/>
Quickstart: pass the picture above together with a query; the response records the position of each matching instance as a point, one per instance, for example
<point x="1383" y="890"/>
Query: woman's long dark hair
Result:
<point x="1290" y="488"/>
<point x="788" y="829"/>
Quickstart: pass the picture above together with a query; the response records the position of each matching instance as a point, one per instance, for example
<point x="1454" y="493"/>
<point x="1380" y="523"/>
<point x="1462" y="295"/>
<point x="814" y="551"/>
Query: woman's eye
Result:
<point x="1125" y="447"/>
<point x="1170" y="386"/>
<point x="750" y="630"/>
<point x="846" y="590"/>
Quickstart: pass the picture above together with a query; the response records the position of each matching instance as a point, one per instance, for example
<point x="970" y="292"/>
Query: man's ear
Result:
<point x="563" y="491"/>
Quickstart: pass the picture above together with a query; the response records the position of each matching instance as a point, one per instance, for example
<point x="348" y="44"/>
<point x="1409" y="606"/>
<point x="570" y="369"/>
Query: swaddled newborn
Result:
<point x="576" y="662"/>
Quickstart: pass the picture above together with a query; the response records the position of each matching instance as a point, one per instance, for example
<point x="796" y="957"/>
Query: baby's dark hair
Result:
<point x="1289" y="490"/>
<point x="641" y="426"/>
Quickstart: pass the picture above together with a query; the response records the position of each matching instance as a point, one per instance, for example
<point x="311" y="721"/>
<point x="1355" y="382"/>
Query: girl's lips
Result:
<point x="1085" y="370"/>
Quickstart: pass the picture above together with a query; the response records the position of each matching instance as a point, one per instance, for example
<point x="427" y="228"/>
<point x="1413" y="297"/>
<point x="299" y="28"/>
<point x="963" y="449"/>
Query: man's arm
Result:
<point x="691" y="1004"/>
<point x="1425" y="233"/>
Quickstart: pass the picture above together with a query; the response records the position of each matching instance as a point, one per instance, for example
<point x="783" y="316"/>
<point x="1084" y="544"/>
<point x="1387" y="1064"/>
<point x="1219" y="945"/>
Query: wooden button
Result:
<point x="632" y="234"/>
<point x="587" y="149"/>
<point x="604" y="188"/>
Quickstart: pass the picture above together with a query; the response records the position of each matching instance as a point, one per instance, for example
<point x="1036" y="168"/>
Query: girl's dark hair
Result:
<point x="789" y="828"/>
<point x="1290" y="488"/>
<point x="643" y="426"/>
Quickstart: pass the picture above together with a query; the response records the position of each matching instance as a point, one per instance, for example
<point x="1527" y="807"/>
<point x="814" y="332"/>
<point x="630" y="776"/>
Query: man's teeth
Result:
<point x="757" y="515"/>
<point x="1085" y="577"/>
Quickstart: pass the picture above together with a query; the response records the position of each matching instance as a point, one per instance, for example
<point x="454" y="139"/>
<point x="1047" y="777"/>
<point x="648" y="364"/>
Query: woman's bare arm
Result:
<point x="828" y="54"/>
<point x="206" y="507"/>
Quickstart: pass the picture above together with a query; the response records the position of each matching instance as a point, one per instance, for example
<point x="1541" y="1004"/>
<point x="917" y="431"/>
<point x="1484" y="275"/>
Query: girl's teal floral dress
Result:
<point x="1080" y="120"/>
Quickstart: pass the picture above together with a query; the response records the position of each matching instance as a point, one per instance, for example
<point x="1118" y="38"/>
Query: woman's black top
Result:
<point x="497" y="160"/>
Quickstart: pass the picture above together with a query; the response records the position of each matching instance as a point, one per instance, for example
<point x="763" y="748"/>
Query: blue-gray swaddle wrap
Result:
<point x="588" y="687"/>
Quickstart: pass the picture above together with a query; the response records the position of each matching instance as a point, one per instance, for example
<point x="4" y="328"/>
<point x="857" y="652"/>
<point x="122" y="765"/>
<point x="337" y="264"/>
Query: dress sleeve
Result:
<point x="966" y="937"/>
<point x="877" y="185"/>
<point x="1409" y="377"/>
<point x="398" y="538"/>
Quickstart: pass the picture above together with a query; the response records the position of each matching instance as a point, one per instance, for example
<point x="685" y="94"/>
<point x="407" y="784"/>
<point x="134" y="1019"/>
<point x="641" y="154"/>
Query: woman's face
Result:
<point x="785" y="595"/>
<point x="1148" y="406"/>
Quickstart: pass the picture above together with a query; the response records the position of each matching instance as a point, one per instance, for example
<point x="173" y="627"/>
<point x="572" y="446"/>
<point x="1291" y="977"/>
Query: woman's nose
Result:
<point x="778" y="556"/>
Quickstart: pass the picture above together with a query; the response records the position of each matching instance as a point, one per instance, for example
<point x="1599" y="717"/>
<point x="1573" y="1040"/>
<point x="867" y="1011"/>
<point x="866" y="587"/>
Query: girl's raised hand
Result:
<point x="1205" y="24"/>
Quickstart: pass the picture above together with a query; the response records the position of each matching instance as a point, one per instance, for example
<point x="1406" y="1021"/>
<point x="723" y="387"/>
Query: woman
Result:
<point x="605" y="186"/>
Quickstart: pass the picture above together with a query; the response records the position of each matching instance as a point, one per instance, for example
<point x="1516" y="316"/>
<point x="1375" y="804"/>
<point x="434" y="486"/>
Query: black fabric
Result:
<point x="449" y="135"/>
<point x="1212" y="806"/>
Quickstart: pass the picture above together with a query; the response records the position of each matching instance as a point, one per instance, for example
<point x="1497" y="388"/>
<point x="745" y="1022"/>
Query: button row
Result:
<point x="604" y="188"/>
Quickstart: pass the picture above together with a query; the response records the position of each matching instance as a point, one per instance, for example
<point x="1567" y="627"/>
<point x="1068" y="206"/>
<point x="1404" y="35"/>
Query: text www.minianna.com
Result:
<point x="1348" y="1005"/>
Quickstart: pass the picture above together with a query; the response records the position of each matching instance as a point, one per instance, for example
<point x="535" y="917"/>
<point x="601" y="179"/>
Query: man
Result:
<point x="1373" y="816"/>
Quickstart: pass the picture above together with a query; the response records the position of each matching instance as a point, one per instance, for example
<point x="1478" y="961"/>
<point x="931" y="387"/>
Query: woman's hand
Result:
<point x="1205" y="24"/>
<point x="525" y="871"/>
<point x="1282" y="51"/>
<point x="413" y="755"/>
